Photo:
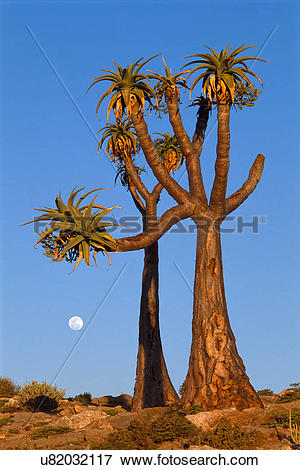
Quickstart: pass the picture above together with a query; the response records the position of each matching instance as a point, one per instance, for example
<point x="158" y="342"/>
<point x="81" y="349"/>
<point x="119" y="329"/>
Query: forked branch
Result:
<point x="192" y="158"/>
<point x="174" y="189"/>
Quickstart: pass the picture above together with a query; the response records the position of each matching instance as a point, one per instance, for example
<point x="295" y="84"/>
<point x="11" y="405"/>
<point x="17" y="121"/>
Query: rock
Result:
<point x="27" y="417"/>
<point x="82" y="419"/>
<point x="121" y="421"/>
<point x="124" y="400"/>
<point x="11" y="406"/>
<point x="208" y="420"/>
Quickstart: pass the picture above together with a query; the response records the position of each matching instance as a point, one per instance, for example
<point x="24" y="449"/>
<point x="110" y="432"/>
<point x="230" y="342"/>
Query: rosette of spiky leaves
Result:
<point x="120" y="139"/>
<point x="168" y="84"/>
<point x="203" y="104"/>
<point x="128" y="86"/>
<point x="124" y="177"/>
<point x="79" y="229"/>
<point x="245" y="95"/>
<point x="222" y="72"/>
<point x="54" y="244"/>
<point x="169" y="151"/>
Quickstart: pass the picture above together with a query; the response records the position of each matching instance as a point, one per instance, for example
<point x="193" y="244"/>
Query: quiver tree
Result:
<point x="216" y="377"/>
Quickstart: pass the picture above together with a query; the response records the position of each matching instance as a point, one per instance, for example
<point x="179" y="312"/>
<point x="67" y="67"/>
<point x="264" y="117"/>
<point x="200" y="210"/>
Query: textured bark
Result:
<point x="218" y="192"/>
<point x="216" y="376"/>
<point x="153" y="386"/>
<point x="237" y="198"/>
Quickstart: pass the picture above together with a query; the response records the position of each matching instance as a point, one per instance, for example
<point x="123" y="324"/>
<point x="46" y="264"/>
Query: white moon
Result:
<point x="76" y="323"/>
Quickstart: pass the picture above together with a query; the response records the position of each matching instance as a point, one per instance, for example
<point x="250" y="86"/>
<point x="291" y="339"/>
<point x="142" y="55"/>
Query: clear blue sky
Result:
<point x="46" y="146"/>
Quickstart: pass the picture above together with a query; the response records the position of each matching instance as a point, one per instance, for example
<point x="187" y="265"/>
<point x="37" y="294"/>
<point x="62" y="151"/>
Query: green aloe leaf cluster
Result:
<point x="128" y="85"/>
<point x="168" y="84"/>
<point x="80" y="229"/>
<point x="120" y="139"/>
<point x="169" y="151"/>
<point x="222" y="72"/>
<point x="124" y="177"/>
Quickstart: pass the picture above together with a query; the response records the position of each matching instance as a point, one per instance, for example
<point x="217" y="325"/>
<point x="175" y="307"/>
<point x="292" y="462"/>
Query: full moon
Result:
<point x="76" y="323"/>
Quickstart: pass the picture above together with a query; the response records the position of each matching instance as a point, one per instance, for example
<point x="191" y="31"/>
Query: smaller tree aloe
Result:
<point x="79" y="229"/>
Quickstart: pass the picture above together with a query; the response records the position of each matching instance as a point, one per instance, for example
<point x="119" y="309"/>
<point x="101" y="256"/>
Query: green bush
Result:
<point x="13" y="431"/>
<point x="266" y="392"/>
<point x="178" y="409"/>
<point x="290" y="395"/>
<point x="84" y="398"/>
<point x="228" y="436"/>
<point x="111" y="412"/>
<point x="136" y="436"/>
<point x="181" y="389"/>
<point x="171" y="426"/>
<point x="8" y="388"/>
<point x="46" y="431"/>
<point x="2" y="403"/>
<point x="6" y="420"/>
<point x="40" y="397"/>
<point x="148" y="433"/>
<point x="281" y="419"/>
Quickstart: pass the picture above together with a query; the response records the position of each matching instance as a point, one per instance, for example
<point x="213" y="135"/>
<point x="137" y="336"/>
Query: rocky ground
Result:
<point x="88" y="426"/>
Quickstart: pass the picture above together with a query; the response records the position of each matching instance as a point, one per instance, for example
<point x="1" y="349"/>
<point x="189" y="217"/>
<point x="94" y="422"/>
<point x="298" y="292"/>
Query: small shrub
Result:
<point x="2" y="403"/>
<point x="13" y="431"/>
<point x="169" y="427"/>
<point x="228" y="436"/>
<point x="181" y="389"/>
<point x="148" y="433"/>
<point x="295" y="385"/>
<point x="84" y="398"/>
<point x="265" y="392"/>
<point x="136" y="436"/>
<point x="282" y="419"/>
<point x="6" y="420"/>
<point x="180" y="410"/>
<point x="46" y="431"/>
<point x="290" y="395"/>
<point x="111" y="412"/>
<point x="40" y="397"/>
<point x="8" y="388"/>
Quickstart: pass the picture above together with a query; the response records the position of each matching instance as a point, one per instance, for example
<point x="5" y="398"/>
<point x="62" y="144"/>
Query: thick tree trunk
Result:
<point x="153" y="386"/>
<point x="216" y="377"/>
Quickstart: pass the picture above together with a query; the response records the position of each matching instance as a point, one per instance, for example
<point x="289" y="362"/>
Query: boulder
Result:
<point x="124" y="400"/>
<point x="11" y="406"/>
<point x="83" y="419"/>
<point x="209" y="420"/>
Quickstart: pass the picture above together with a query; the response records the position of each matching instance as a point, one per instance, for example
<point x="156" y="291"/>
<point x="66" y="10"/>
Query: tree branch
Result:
<point x="174" y="189"/>
<point x="139" y="185"/>
<point x="237" y="198"/>
<point x="136" y="199"/>
<point x="201" y="124"/>
<point x="156" y="191"/>
<point x="218" y="192"/>
<point x="165" y="222"/>
<point x="192" y="159"/>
